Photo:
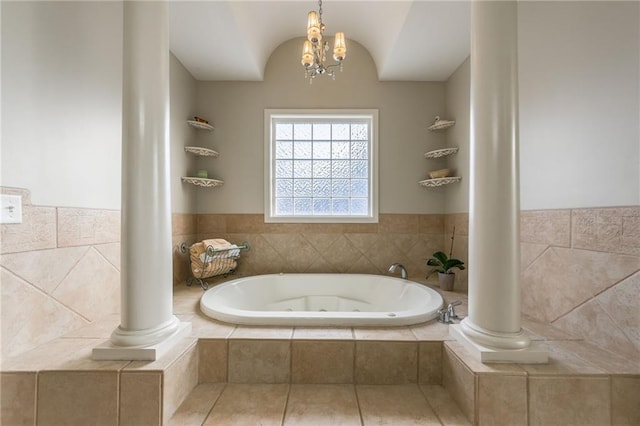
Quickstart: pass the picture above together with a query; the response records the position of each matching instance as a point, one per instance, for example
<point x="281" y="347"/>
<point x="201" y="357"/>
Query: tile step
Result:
<point x="293" y="404"/>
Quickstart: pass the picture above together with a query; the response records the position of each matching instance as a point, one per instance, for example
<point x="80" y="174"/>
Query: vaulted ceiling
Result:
<point x="408" y="40"/>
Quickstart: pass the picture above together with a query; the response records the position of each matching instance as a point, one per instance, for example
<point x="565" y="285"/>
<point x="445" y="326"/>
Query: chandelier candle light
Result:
<point x="314" y="49"/>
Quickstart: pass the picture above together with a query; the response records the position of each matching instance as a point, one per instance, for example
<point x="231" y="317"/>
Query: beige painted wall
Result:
<point x="237" y="110"/>
<point x="62" y="101"/>
<point x="579" y="104"/>
<point x="183" y="96"/>
<point x="457" y="98"/>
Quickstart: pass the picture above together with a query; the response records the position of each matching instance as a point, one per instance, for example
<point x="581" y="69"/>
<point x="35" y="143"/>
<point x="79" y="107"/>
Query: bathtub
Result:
<point x="321" y="300"/>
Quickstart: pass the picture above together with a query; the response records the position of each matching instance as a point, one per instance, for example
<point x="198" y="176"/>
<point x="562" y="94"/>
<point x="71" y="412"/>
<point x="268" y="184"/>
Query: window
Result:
<point x="321" y="166"/>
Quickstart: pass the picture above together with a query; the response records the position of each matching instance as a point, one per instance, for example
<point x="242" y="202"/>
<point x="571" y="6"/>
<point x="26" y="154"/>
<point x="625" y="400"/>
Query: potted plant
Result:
<point x="444" y="266"/>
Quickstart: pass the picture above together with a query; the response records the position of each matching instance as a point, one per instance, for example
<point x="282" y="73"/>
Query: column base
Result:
<point x="486" y="354"/>
<point x="107" y="351"/>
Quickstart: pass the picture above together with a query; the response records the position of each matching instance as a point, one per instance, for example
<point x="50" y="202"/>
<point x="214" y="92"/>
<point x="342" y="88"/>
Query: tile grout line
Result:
<point x="286" y="404"/>
<point x="355" y="391"/>
<point x="215" y="401"/>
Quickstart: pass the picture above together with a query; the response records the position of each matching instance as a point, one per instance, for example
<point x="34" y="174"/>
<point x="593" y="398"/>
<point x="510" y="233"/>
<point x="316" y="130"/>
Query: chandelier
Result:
<point x="315" y="49"/>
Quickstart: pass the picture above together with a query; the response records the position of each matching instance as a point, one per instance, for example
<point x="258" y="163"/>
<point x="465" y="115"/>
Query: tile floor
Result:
<point x="305" y="404"/>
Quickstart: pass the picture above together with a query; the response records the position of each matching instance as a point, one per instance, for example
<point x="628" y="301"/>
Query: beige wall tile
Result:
<point x="529" y="252"/>
<point x="591" y="322"/>
<point x="212" y="360"/>
<point x="44" y="269"/>
<point x="322" y="404"/>
<point x="255" y="404"/>
<point x="140" y="398"/>
<point x="625" y="409"/>
<point x="340" y="254"/>
<point x="298" y="254"/>
<point x="263" y="258"/>
<point x="615" y="230"/>
<point x="431" y="223"/>
<point x="36" y="232"/>
<point x="398" y="224"/>
<point x="444" y="406"/>
<point x="562" y="279"/>
<point x="211" y="224"/>
<point x="569" y="400"/>
<point x="111" y="252"/>
<point x="179" y="380"/>
<point x="459" y="382"/>
<point x="395" y="405"/>
<point x="196" y="407"/>
<point x="552" y="227"/>
<point x="255" y="361"/>
<point x="184" y="224"/>
<point x="18" y="399"/>
<point x="621" y="303"/>
<point x="430" y="363"/>
<point x="92" y="288"/>
<point x="245" y="223"/>
<point x="93" y="396"/>
<point x="384" y="363"/>
<point x="360" y="228"/>
<point x="502" y="400"/>
<point x="460" y="221"/>
<point x="322" y="361"/>
<point x="30" y="317"/>
<point x="81" y="227"/>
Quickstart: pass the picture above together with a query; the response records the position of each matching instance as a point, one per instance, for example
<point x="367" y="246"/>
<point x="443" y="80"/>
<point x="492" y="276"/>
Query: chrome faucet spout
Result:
<point x="403" y="270"/>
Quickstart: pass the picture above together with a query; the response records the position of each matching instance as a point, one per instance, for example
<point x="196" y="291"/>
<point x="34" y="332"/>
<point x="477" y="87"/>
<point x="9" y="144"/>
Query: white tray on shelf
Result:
<point x="203" y="152"/>
<point x="208" y="183"/>
<point x="439" y="153"/>
<point x="434" y="183"/>
<point x="200" y="125"/>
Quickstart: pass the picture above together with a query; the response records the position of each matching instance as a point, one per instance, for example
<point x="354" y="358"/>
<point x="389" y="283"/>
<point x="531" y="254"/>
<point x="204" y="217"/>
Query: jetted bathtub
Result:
<point x="321" y="299"/>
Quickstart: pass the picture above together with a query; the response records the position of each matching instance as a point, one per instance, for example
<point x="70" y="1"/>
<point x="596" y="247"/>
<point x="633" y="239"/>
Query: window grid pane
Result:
<point x="326" y="171"/>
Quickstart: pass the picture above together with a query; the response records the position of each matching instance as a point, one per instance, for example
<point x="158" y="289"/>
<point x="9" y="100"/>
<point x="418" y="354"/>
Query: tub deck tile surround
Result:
<point x="455" y="387"/>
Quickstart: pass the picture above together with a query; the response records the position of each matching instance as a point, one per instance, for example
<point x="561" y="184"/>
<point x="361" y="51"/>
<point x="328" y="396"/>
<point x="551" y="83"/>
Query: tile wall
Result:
<point x="580" y="268"/>
<point x="59" y="270"/>
<point x="580" y="271"/>
<point x="357" y="248"/>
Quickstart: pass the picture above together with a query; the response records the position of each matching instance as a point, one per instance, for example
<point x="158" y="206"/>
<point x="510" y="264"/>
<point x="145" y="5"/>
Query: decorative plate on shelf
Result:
<point x="434" y="183"/>
<point x="439" y="153"/>
<point x="203" y="152"/>
<point x="199" y="125"/>
<point x="208" y="183"/>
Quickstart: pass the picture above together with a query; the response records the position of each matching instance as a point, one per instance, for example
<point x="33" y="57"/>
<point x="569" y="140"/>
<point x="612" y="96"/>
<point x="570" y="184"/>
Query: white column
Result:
<point x="147" y="319"/>
<point x="494" y="207"/>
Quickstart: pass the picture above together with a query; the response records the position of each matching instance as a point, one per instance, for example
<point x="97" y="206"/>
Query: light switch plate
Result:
<point x="11" y="211"/>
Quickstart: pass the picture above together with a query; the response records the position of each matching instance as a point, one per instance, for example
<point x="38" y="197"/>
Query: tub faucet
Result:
<point x="447" y="315"/>
<point x="403" y="270"/>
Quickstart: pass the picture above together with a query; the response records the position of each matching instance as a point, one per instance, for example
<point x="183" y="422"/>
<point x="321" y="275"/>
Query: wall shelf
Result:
<point x="435" y="183"/>
<point x="439" y="153"/>
<point x="201" y="152"/>
<point x="207" y="183"/>
<point x="439" y="124"/>
<point x="200" y="125"/>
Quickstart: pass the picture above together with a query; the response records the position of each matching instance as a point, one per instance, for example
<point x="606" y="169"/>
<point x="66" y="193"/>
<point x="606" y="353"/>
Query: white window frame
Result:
<point x="270" y="115"/>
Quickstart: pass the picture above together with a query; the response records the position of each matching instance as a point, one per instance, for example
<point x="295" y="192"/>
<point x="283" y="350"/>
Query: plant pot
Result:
<point x="446" y="281"/>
